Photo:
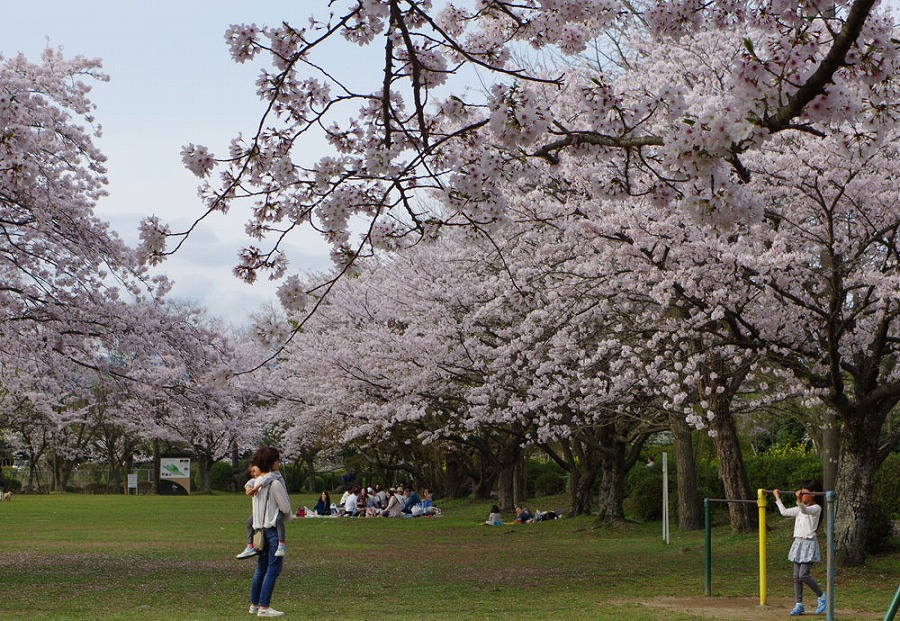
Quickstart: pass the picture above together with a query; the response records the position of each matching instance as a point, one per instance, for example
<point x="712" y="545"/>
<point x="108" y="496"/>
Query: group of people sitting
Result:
<point x="523" y="516"/>
<point x="359" y="501"/>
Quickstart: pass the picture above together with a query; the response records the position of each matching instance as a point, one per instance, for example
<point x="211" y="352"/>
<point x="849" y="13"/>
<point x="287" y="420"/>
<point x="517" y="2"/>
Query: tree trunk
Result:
<point x="487" y="477"/>
<point x="580" y="458"/>
<point x="611" y="496"/>
<point x="33" y="458"/>
<point x="115" y="472"/>
<point x="452" y="478"/>
<point x="205" y="463"/>
<point x="520" y="479"/>
<point x="731" y="469"/>
<point x="32" y="471"/>
<point x="831" y="441"/>
<point x="859" y="460"/>
<point x="310" y="462"/>
<point x="507" y="460"/>
<point x="236" y="470"/>
<point x="154" y="469"/>
<point x="582" y="479"/>
<point x="690" y="513"/>
<point x="62" y="473"/>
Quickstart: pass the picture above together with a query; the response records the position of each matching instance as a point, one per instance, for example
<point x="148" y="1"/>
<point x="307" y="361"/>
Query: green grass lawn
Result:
<point x="151" y="557"/>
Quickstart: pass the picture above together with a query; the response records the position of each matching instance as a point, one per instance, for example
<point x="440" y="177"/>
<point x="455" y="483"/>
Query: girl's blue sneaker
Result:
<point x="798" y="610"/>
<point x="822" y="604"/>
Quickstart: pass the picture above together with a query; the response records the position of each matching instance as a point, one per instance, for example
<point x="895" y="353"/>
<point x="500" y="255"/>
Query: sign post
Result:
<point x="665" y="497"/>
<point x="175" y="476"/>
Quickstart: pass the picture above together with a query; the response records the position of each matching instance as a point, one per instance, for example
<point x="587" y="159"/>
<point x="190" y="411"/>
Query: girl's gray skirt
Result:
<point x="805" y="551"/>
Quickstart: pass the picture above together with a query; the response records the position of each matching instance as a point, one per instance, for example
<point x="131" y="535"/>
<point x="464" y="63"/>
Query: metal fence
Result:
<point x="84" y="480"/>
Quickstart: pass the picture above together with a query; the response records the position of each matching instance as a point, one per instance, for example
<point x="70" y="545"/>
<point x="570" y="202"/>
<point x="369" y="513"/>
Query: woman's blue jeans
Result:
<point x="268" y="567"/>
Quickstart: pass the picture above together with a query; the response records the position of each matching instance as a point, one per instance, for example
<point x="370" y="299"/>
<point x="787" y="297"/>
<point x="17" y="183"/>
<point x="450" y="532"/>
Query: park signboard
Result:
<point x="174" y="476"/>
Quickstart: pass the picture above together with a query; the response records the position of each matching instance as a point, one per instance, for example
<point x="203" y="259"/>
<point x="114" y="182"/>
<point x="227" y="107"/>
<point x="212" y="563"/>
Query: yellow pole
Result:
<point x="761" y="503"/>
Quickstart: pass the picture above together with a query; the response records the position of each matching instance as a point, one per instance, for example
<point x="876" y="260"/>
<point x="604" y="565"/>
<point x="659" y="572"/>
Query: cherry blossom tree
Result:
<point x="61" y="266"/>
<point x="194" y="362"/>
<point x="420" y="131"/>
<point x="446" y="346"/>
<point x="828" y="309"/>
<point x="809" y="289"/>
<point x="695" y="131"/>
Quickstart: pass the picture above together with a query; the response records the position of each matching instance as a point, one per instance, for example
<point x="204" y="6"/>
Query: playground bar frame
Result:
<point x="781" y="491"/>
<point x="895" y="605"/>
<point x="762" y="502"/>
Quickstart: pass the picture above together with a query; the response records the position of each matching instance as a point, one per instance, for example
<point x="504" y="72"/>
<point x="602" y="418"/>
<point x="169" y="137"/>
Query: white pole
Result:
<point x="665" y="497"/>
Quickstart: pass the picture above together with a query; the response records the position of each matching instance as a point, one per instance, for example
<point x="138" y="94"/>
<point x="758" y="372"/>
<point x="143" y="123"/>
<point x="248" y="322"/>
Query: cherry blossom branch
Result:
<point x="817" y="83"/>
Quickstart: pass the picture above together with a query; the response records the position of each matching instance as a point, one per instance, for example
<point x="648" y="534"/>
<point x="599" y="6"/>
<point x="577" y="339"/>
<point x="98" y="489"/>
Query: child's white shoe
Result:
<point x="247" y="553"/>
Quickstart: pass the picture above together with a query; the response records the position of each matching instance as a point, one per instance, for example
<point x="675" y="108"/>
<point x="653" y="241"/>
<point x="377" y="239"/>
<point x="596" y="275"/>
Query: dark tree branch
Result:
<point x="824" y="74"/>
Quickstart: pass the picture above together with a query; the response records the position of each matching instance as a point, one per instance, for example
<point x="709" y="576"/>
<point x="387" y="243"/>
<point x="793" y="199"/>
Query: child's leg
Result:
<point x="249" y="550"/>
<point x="279" y="526"/>
<point x="805" y="578"/>
<point x="798" y="584"/>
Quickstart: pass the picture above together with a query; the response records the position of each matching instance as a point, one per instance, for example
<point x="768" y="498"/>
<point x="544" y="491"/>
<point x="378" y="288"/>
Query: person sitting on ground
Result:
<point x="380" y="497"/>
<point x="394" y="505"/>
<point x="494" y="519"/>
<point x="362" y="499"/>
<point x="323" y="506"/>
<point x="373" y="508"/>
<point x="365" y="504"/>
<point x="411" y="500"/>
<point x="350" y="505"/>
<point x="343" y="502"/>
<point x="523" y="515"/>
<point x="543" y="516"/>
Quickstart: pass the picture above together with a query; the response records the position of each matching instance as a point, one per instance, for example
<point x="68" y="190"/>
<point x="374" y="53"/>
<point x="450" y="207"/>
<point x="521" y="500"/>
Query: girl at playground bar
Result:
<point x="805" y="549"/>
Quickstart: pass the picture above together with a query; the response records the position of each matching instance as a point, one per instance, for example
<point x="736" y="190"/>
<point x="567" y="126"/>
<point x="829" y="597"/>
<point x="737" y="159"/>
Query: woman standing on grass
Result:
<point x="268" y="502"/>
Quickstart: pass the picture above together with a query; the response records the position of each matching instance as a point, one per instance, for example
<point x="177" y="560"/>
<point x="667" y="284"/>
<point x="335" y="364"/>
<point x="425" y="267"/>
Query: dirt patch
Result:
<point x="747" y="608"/>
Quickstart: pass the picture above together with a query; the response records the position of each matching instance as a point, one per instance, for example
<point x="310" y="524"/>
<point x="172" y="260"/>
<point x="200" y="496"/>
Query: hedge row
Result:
<point x="644" y="486"/>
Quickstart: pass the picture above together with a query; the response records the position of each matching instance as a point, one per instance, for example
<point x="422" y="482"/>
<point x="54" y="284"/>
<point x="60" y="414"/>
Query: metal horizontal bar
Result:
<point x="729" y="500"/>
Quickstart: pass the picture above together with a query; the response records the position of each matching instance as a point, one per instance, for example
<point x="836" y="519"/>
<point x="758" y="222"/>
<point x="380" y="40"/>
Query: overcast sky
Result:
<point x="172" y="83"/>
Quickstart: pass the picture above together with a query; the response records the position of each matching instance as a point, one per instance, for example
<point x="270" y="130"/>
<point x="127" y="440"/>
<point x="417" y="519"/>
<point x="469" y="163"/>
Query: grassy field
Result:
<point x="73" y="557"/>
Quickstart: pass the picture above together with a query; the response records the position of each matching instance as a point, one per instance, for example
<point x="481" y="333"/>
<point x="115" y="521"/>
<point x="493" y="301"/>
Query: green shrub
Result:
<point x="709" y="483"/>
<point x="782" y="468"/>
<point x="550" y="484"/>
<point x="545" y="477"/>
<point x="885" y="505"/>
<point x="320" y="484"/>
<point x="221" y="476"/>
<point x="296" y="476"/>
<point x="643" y="486"/>
<point x="13" y="485"/>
